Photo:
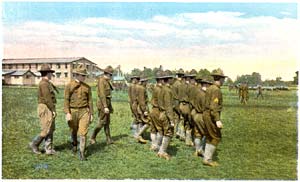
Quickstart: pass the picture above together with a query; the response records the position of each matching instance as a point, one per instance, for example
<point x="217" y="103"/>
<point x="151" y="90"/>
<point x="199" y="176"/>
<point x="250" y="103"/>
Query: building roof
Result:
<point x="7" y="72"/>
<point x="16" y="72"/>
<point x="43" y="60"/>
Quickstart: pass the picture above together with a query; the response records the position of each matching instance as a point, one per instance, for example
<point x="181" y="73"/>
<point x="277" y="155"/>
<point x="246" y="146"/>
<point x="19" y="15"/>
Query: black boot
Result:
<point x="74" y="143"/>
<point x="107" y="133"/>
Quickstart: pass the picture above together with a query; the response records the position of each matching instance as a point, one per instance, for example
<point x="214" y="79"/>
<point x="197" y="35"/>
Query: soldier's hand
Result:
<point x="68" y="117"/>
<point x="146" y="113"/>
<point x="106" y="110"/>
<point x="54" y="114"/>
<point x="219" y="124"/>
<point x="172" y="123"/>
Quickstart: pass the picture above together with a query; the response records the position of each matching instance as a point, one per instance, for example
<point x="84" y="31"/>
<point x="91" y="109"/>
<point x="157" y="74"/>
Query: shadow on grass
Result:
<point x="98" y="147"/>
<point x="64" y="146"/>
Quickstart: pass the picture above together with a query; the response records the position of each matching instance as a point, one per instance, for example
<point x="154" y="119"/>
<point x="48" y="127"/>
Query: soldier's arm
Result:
<point x="215" y="106"/>
<point x="91" y="101"/>
<point x="129" y="93"/>
<point x="142" y="99"/>
<point x="67" y="99"/>
<point x="101" y="90"/>
<point x="45" y="91"/>
<point x="168" y="105"/>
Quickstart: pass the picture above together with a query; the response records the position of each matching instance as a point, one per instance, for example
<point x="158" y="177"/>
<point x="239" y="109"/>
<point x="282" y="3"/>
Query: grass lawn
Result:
<point x="259" y="142"/>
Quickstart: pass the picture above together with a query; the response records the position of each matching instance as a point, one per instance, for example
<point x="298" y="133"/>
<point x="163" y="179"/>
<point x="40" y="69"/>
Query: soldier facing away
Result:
<point x="104" y="106"/>
<point x="46" y="111"/>
<point x="212" y="117"/>
<point x="133" y="102"/>
<point x="259" y="92"/>
<point x="78" y="106"/>
<point x="166" y="117"/>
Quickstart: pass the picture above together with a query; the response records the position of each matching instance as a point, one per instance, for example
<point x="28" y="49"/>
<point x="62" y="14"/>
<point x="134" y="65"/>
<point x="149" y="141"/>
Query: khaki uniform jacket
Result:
<point x="104" y="89"/>
<point x="199" y="100"/>
<point x="155" y="93"/>
<point x="142" y="98"/>
<point x="132" y="93"/>
<point x="182" y="92"/>
<point x="46" y="94"/>
<point x="175" y="88"/>
<point x="77" y="95"/>
<point x="191" y="92"/>
<point x="165" y="101"/>
<point x="213" y="102"/>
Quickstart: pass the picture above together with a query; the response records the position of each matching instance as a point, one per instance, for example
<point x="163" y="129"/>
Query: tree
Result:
<point x="296" y="78"/>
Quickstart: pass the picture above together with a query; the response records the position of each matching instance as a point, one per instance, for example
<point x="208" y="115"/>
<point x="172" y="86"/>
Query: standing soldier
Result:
<point x="179" y="128"/>
<point x="166" y="117"/>
<point x="197" y="116"/>
<point x="212" y="117"/>
<point x="259" y="92"/>
<point x="155" y="136"/>
<point x="143" y="110"/>
<point x="104" y="106"/>
<point x="133" y="102"/>
<point x="78" y="106"/>
<point x="187" y="109"/>
<point x="46" y="112"/>
<point x="244" y="93"/>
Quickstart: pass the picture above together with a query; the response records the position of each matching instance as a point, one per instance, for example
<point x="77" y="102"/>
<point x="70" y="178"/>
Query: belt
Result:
<point x="79" y="107"/>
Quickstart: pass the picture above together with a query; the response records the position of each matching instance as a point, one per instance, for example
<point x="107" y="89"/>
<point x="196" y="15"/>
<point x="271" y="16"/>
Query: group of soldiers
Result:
<point x="244" y="93"/>
<point x="78" y="107"/>
<point x="187" y="106"/>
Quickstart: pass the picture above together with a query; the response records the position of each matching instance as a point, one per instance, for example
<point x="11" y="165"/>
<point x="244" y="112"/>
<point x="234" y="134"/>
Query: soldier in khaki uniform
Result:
<point x="166" y="118"/>
<point x="156" y="137"/>
<point x="143" y="110"/>
<point x="133" y="102"/>
<point x="104" y="89"/>
<point x="178" y="119"/>
<point x="244" y="93"/>
<point x="46" y="112"/>
<point x="259" y="92"/>
<point x="198" y="102"/>
<point x="212" y="117"/>
<point x="78" y="106"/>
<point x="187" y="108"/>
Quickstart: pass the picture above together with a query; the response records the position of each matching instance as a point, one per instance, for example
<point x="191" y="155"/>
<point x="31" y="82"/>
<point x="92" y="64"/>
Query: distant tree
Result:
<point x="296" y="78"/>
<point x="228" y="81"/>
<point x="253" y="79"/>
<point x="203" y="72"/>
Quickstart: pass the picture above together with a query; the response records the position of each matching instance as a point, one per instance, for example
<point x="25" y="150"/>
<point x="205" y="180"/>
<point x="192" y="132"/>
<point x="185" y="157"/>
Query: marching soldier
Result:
<point x="156" y="137"/>
<point x="199" y="105"/>
<point x="212" y="117"/>
<point x="244" y="93"/>
<point x="259" y="92"/>
<point x="179" y="128"/>
<point x="46" y="112"/>
<point x="143" y="110"/>
<point x="133" y="102"/>
<point x="78" y="106"/>
<point x="166" y="117"/>
<point x="187" y="108"/>
<point x="104" y="106"/>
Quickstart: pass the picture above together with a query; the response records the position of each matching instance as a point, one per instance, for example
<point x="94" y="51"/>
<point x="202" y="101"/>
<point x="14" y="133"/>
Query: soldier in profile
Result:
<point x="46" y="112"/>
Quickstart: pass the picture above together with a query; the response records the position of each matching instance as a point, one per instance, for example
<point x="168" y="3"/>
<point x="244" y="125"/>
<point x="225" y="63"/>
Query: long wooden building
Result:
<point x="25" y="71"/>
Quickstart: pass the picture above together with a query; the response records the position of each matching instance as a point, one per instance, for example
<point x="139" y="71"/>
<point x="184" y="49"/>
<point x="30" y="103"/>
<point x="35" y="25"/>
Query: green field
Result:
<point x="259" y="142"/>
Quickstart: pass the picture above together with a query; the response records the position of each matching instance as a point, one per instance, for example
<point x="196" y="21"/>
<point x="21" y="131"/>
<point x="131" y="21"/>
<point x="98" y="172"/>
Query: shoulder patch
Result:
<point x="216" y="100"/>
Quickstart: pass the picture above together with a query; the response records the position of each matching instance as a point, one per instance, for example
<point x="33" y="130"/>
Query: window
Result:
<point x="58" y="66"/>
<point x="36" y="66"/>
<point x="23" y="66"/>
<point x="10" y="66"/>
<point x="29" y="66"/>
<point x="16" y="77"/>
<point x="58" y="75"/>
<point x="50" y="65"/>
<point x="27" y="76"/>
<point x="66" y="75"/>
<point x="74" y="66"/>
<point x="66" y="65"/>
<point x="87" y="67"/>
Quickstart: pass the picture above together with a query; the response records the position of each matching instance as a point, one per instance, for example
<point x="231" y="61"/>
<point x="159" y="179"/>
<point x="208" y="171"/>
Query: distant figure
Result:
<point x="259" y="92"/>
<point x="244" y="93"/>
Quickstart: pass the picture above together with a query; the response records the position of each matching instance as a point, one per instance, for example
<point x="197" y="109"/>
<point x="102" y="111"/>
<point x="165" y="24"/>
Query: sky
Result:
<point x="239" y="38"/>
